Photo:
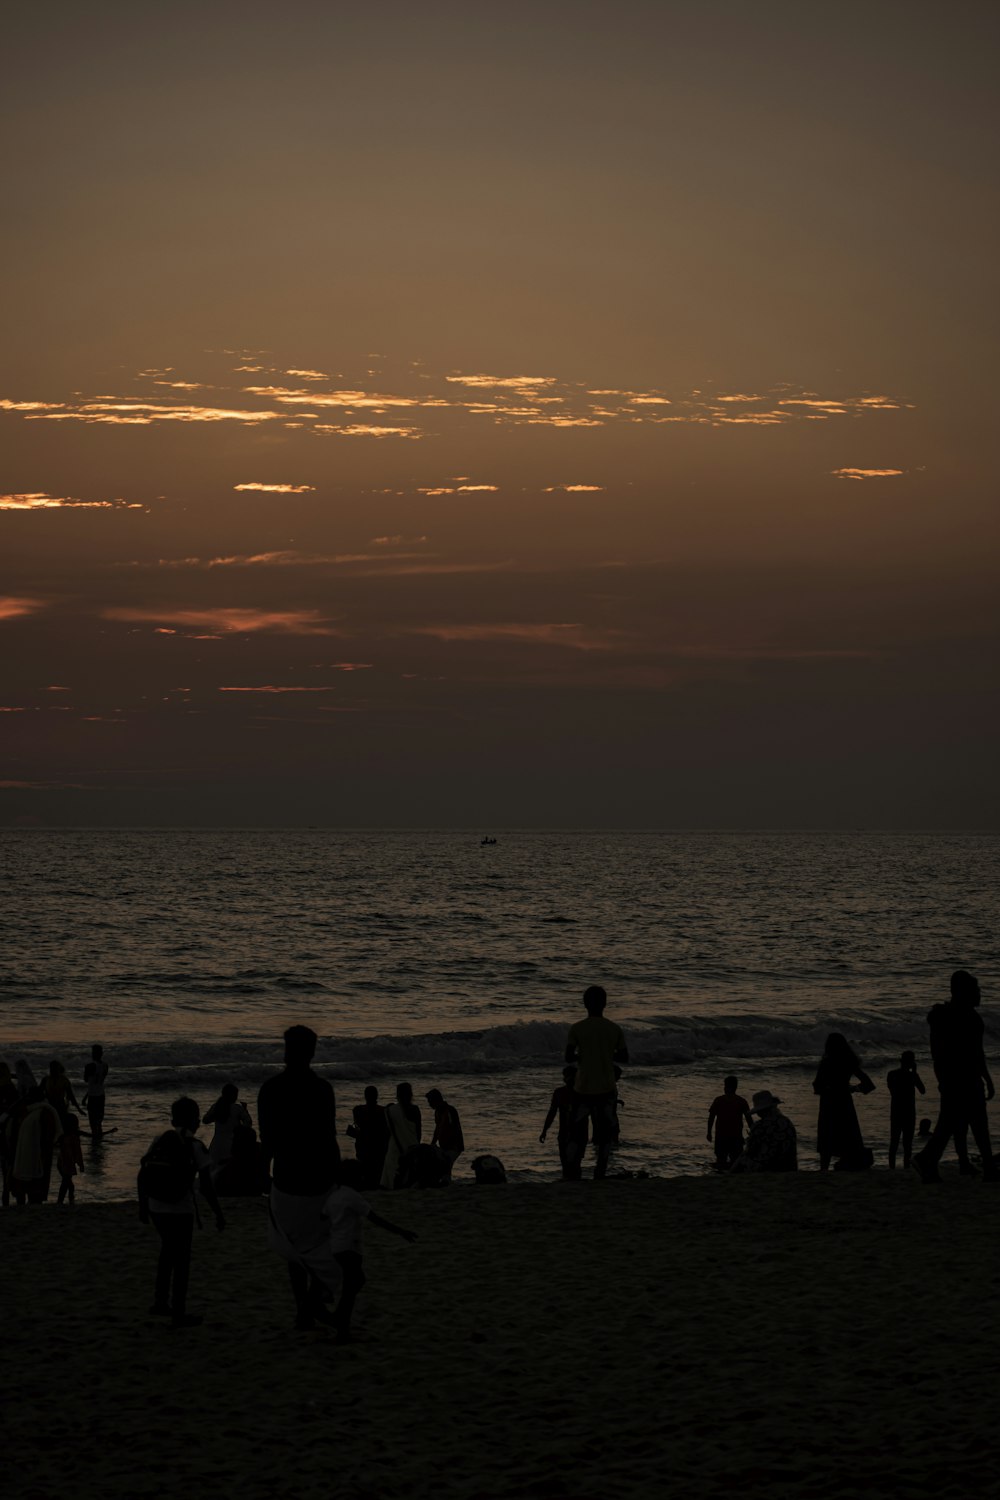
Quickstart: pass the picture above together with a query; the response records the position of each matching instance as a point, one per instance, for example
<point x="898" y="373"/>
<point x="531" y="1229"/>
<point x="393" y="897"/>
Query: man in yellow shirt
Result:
<point x="594" y="1046"/>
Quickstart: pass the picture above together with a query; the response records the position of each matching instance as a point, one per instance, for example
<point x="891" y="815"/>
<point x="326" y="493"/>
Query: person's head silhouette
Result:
<point x="569" y="1077"/>
<point x="371" y="1094"/>
<point x="595" y="999"/>
<point x="404" y="1093"/>
<point x="730" y="1084"/>
<point x="185" y="1114"/>
<point x="300" y="1046"/>
<point x="965" y="987"/>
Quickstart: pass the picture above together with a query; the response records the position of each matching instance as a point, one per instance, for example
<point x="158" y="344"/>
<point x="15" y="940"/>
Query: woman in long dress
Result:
<point x="838" y="1132"/>
<point x="403" y="1120"/>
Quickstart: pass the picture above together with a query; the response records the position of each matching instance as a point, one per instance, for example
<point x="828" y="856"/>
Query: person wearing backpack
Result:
<point x="166" y="1196"/>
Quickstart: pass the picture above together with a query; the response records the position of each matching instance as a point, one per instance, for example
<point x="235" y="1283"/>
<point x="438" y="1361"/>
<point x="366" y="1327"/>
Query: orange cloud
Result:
<point x="40" y="501"/>
<point x="12" y="606"/>
<point x="865" y="473"/>
<point x="232" y="621"/>
<point x="572" y="489"/>
<point x="358" y="430"/>
<point x="277" y="489"/>
<point x="269" y="687"/>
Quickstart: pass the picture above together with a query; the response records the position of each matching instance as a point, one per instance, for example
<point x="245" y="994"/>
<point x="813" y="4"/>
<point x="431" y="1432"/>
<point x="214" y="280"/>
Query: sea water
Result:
<point x="431" y="957"/>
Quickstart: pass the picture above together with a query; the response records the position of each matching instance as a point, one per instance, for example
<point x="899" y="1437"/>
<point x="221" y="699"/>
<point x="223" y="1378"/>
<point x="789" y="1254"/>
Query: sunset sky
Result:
<point x="500" y="414"/>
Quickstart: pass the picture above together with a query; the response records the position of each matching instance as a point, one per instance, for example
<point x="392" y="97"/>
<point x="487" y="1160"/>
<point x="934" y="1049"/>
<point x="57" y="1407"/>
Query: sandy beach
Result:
<point x="783" y="1336"/>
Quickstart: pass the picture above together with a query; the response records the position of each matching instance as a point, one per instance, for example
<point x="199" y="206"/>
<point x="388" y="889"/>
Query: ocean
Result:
<point x="430" y="957"/>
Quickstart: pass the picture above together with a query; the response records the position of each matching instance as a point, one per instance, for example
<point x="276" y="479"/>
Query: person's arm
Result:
<point x="380" y="1223"/>
<point x="570" y="1055"/>
<point x="918" y="1081"/>
<point x="711" y="1122"/>
<point x="749" y="1118"/>
<point x="553" y="1111"/>
<point x="416" y="1112"/>
<point x="72" y="1097"/>
<point x="264" y="1127"/>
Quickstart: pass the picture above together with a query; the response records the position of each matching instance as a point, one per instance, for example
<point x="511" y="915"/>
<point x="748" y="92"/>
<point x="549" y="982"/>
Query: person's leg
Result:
<point x="909" y="1126"/>
<point x="164" y="1264"/>
<point x="602" y="1115"/>
<point x="576" y="1143"/>
<point x="978" y="1122"/>
<point x="948" y="1123"/>
<point x="64" y="1184"/>
<point x="895" y="1131"/>
<point x="183" y="1236"/>
<point x="351" y="1265"/>
<point x="299" y="1277"/>
<point x="95" y="1116"/>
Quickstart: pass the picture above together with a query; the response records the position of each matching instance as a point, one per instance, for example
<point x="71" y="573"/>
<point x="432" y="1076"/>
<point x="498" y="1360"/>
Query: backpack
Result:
<point x="167" y="1171"/>
<point x="489" y="1170"/>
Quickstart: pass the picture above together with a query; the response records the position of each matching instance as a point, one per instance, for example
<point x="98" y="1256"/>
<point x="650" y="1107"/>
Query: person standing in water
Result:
<point x="904" y="1084"/>
<point x="838" y="1132"/>
<point x="94" y="1077"/>
<point x="403" y="1121"/>
<point x="594" y="1046"/>
<point x="729" y="1110"/>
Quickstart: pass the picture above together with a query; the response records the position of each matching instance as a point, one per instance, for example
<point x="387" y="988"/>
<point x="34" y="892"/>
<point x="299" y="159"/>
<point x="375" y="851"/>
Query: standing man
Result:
<point x="296" y="1114"/>
<point x="963" y="1077"/>
<point x="447" y="1136"/>
<point x="594" y="1046"/>
<point x="94" y="1075"/>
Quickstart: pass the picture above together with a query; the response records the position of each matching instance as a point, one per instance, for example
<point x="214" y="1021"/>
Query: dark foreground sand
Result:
<point x="783" y="1337"/>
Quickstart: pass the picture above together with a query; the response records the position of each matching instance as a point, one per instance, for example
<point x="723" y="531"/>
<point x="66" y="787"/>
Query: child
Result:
<point x="70" y="1159"/>
<point x="903" y="1082"/>
<point x="344" y="1210"/>
<point x="166" y="1196"/>
<point x="727" y="1113"/>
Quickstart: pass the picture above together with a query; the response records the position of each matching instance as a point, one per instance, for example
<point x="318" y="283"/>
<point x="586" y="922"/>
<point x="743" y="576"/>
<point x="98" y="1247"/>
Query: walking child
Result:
<point x="904" y="1084"/>
<point x="344" y="1211"/>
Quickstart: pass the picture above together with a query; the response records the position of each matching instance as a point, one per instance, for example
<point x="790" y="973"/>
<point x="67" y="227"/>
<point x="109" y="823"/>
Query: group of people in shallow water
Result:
<point x="39" y="1130"/>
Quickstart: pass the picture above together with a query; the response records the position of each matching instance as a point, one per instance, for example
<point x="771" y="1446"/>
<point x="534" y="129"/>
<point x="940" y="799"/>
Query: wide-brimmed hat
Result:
<point x="764" y="1100"/>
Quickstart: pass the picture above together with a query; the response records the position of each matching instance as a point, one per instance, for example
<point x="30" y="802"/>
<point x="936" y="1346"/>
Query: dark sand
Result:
<point x="784" y="1337"/>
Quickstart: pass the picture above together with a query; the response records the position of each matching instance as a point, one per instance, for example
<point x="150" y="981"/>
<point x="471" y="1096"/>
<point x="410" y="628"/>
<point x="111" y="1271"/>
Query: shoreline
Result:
<point x="809" y="1333"/>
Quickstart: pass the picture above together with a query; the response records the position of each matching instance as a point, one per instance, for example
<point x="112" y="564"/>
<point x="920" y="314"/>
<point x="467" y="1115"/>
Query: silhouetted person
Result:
<point x="447" y="1136"/>
<point x="69" y="1160"/>
<point x="904" y="1084"/>
<point x="228" y="1115"/>
<point x="345" y="1211"/>
<point x="838" y="1132"/>
<point x="36" y="1129"/>
<point x="563" y="1106"/>
<point x="727" y="1113"/>
<point x="771" y="1145"/>
<point x="94" y="1076"/>
<point x="371" y="1137"/>
<point x="166" y="1195"/>
<point x="403" y="1121"/>
<point x="24" y="1078"/>
<point x="297" y="1116"/>
<point x="595" y="1045"/>
<point x="8" y="1106"/>
<point x="59" y="1090"/>
<point x="964" y="1081"/>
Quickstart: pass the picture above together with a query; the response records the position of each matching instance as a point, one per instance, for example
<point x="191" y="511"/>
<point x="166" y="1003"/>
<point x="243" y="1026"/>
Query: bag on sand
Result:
<point x="167" y="1171"/>
<point x="489" y="1170"/>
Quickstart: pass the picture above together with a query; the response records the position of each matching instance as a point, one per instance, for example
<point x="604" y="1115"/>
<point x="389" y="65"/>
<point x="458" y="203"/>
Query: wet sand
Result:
<point x="781" y="1337"/>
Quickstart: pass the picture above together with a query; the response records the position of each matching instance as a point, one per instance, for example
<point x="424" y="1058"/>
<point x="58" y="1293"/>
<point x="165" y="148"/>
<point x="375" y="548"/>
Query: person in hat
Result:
<point x="771" y="1144"/>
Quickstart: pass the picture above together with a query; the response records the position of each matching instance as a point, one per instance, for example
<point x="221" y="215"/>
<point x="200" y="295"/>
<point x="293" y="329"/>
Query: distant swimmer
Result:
<point x="94" y="1081"/>
<point x="594" y="1046"/>
<point x="727" y="1113"/>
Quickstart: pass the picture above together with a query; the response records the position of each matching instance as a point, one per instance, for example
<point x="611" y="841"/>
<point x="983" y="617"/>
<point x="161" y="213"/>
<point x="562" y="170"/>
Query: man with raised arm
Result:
<point x="594" y="1046"/>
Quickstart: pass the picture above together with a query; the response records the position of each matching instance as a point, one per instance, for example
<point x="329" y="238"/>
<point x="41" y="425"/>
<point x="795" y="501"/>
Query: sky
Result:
<point x="499" y="415"/>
